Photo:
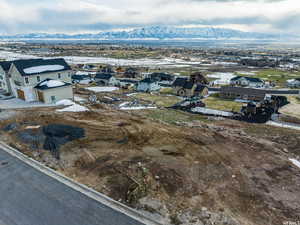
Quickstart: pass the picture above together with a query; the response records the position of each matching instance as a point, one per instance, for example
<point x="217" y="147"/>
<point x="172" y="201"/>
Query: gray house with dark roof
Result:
<point x="250" y="94"/>
<point x="148" y="85"/>
<point x="25" y="75"/>
<point x="106" y="79"/>
<point x="247" y="82"/>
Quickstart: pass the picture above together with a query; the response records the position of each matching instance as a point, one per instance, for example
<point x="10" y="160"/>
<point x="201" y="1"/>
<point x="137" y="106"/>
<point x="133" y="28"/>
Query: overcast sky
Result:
<point x="75" y="16"/>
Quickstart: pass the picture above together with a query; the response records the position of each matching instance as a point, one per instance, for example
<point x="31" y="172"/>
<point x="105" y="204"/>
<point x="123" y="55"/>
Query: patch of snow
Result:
<point x="131" y="94"/>
<point x="276" y="124"/>
<point x="74" y="108"/>
<point x="79" y="99"/>
<point x="123" y="104"/>
<point x="41" y="69"/>
<point x="102" y="89"/>
<point x="295" y="162"/>
<point x="29" y="94"/>
<point x="65" y="102"/>
<point x="222" y="78"/>
<point x="138" y="107"/>
<point x="211" y="112"/>
<point x="52" y="83"/>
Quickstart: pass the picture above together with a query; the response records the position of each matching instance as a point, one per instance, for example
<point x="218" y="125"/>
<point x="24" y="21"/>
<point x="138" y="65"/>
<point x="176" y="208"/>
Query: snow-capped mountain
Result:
<point x="157" y="32"/>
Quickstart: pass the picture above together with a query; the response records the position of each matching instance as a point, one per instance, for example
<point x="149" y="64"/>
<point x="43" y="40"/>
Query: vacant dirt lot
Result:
<point x="223" y="172"/>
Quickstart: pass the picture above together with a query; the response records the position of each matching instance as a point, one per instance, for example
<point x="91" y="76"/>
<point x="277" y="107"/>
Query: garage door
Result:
<point x="41" y="96"/>
<point x="21" y="94"/>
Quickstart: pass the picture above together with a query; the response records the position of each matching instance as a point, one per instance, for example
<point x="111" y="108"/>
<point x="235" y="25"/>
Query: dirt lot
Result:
<point x="292" y="109"/>
<point x="192" y="172"/>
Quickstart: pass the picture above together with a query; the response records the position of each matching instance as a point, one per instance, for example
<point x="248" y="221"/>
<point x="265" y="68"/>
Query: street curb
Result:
<point x="79" y="187"/>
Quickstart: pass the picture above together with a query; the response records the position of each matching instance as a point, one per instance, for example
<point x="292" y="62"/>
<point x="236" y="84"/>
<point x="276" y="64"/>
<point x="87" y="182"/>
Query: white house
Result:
<point x="293" y="83"/>
<point x="148" y="85"/>
<point x="25" y="76"/>
<point x="106" y="79"/>
<point x="252" y="82"/>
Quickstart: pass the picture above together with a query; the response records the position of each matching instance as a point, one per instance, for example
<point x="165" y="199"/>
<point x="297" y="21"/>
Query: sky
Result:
<point x="92" y="16"/>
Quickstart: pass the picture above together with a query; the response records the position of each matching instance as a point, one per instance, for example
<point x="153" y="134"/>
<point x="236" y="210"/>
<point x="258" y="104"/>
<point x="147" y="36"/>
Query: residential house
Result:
<point x="242" y="81"/>
<point x="186" y="88"/>
<point x="51" y="91"/>
<point x="199" y="78"/>
<point x="81" y="79"/>
<point x="147" y="85"/>
<point x="161" y="77"/>
<point x="293" y="83"/>
<point x="106" y="79"/>
<point x="127" y="83"/>
<point x="131" y="72"/>
<point x="250" y="94"/>
<point x="25" y="75"/>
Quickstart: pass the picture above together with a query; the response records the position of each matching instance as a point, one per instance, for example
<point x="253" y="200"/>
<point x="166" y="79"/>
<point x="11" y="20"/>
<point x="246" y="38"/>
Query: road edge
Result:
<point x="91" y="193"/>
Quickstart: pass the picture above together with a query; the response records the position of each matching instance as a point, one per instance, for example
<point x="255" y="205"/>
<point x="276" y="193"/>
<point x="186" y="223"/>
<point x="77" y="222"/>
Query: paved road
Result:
<point x="29" y="197"/>
<point x="274" y="92"/>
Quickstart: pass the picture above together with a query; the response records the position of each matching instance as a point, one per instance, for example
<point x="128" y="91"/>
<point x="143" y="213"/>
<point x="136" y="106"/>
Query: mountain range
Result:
<point x="158" y="32"/>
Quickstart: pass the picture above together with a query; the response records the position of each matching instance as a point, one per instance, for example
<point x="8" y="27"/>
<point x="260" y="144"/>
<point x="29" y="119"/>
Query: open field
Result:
<point x="159" y="100"/>
<point x="222" y="104"/>
<point x="292" y="109"/>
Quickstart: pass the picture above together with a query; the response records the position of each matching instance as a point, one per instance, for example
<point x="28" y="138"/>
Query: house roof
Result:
<point x="128" y="81"/>
<point x="251" y="79"/>
<point x="188" y="85"/>
<point x="180" y="81"/>
<point x="28" y="67"/>
<point x="103" y="76"/>
<point x="148" y="81"/>
<point x="244" y="91"/>
<point x="50" y="84"/>
<point x="5" y="65"/>
<point x="161" y="76"/>
<point x="80" y="77"/>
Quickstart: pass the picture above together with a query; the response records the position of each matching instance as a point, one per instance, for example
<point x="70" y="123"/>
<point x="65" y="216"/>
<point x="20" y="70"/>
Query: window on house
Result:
<point x="69" y="74"/>
<point x="59" y="76"/>
<point x="26" y="80"/>
<point x="38" y="78"/>
<point x="53" y="99"/>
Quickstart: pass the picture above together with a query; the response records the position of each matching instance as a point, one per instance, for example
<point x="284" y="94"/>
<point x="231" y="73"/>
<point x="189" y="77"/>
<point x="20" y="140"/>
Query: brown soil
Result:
<point x="230" y="168"/>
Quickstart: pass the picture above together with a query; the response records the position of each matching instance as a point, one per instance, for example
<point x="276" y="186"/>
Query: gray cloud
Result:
<point x="95" y="15"/>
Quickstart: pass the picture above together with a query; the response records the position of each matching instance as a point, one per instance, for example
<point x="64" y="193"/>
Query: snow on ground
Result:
<point x="222" y="78"/>
<point x="165" y="62"/>
<point x="211" y="112"/>
<point x="295" y="162"/>
<point x="52" y="83"/>
<point x="72" y="106"/>
<point x="252" y="73"/>
<point x="130" y="106"/>
<point x="102" y="89"/>
<point x="79" y="99"/>
<point x="41" y="69"/>
<point x="9" y="56"/>
<point x="65" y="102"/>
<point x="131" y="94"/>
<point x="138" y="107"/>
<point x="276" y="124"/>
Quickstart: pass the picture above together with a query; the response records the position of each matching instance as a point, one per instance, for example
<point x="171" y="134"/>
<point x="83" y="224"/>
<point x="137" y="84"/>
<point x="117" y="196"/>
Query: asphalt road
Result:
<point x="29" y="197"/>
<point x="274" y="92"/>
